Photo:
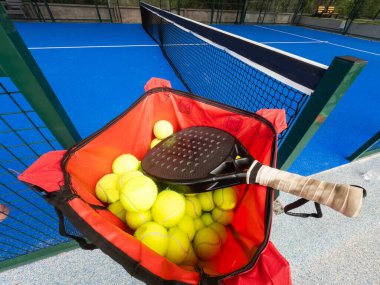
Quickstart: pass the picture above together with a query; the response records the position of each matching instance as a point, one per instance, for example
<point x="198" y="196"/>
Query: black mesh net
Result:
<point x="212" y="72"/>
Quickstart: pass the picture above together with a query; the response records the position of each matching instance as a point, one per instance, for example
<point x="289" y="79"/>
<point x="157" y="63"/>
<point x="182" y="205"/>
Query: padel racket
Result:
<point x="199" y="159"/>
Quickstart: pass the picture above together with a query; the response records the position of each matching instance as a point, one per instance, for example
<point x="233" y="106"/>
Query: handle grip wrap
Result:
<point x="346" y="199"/>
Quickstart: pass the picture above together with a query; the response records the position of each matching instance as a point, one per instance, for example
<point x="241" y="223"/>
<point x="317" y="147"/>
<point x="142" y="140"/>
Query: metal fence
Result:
<point x="32" y="122"/>
<point x="334" y="15"/>
<point x="23" y="138"/>
<point x="337" y="15"/>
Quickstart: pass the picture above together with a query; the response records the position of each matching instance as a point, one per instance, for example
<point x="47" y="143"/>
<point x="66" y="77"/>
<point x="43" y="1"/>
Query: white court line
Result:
<point x="132" y="46"/>
<point x="79" y="47"/>
<point x="327" y="42"/>
<point x="369" y="52"/>
<point x="313" y="42"/>
<point x="113" y="46"/>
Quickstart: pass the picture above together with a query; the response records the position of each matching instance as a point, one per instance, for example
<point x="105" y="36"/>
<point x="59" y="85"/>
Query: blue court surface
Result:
<point x="99" y="70"/>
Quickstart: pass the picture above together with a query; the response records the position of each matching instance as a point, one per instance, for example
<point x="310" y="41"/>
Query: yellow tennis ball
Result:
<point x="225" y="198"/>
<point x="154" y="142"/>
<point x="138" y="194"/>
<point x="169" y="208"/>
<point x="162" y="129"/>
<point x="224" y="217"/>
<point x="187" y="226"/>
<point x="153" y="236"/>
<point x="207" y="243"/>
<point x="220" y="230"/>
<point x="127" y="176"/>
<point x="191" y="258"/>
<point x="136" y="219"/>
<point x="206" y="200"/>
<point x="178" y="245"/>
<point x="207" y="219"/>
<point x="193" y="206"/>
<point x="118" y="210"/>
<point x="106" y="188"/>
<point x="198" y="224"/>
<point x="125" y="163"/>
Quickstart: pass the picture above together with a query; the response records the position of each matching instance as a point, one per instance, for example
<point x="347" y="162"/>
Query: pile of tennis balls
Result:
<point x="183" y="228"/>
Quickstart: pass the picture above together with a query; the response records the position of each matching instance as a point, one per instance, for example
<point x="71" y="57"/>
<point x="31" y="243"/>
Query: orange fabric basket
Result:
<point x="68" y="178"/>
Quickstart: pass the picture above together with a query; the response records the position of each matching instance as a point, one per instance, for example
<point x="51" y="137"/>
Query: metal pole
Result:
<point x="109" y="10"/>
<point x="97" y="11"/>
<point x="49" y="11"/>
<point x="245" y="9"/>
<point x="18" y="63"/>
<point x="354" y="13"/>
<point x="212" y="12"/>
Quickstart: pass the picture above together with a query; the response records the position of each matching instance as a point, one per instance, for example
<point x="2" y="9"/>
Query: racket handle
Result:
<point x="346" y="199"/>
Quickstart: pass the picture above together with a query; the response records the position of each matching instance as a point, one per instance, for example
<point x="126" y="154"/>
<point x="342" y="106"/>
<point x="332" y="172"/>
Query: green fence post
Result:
<point x="2" y="72"/>
<point x="49" y="11"/>
<point x="37" y="10"/>
<point x="212" y="12"/>
<point x="17" y="62"/>
<point x="369" y="147"/>
<point x="97" y="11"/>
<point x="354" y="13"/>
<point x="336" y="81"/>
<point x="109" y="11"/>
<point x="244" y="11"/>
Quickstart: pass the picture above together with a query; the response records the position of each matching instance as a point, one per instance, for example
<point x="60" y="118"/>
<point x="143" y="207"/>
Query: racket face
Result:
<point x="193" y="159"/>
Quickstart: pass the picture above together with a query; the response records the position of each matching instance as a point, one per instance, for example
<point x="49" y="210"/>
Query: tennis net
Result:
<point x="230" y="69"/>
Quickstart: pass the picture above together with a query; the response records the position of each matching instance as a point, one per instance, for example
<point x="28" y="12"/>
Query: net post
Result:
<point x="18" y="63"/>
<point x="368" y="148"/>
<point x="338" y="78"/>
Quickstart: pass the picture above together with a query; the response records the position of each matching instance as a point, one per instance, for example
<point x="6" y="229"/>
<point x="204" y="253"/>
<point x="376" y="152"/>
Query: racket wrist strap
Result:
<point x="252" y="172"/>
<point x="299" y="203"/>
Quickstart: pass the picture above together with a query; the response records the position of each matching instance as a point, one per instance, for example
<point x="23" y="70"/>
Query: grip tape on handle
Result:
<point x="346" y="199"/>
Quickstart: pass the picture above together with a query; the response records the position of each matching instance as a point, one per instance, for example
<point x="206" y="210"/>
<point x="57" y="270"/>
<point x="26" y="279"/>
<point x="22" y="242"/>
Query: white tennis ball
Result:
<point x="198" y="224"/>
<point x="225" y="198"/>
<point x="207" y="243"/>
<point x="224" y="217"/>
<point x="206" y="200"/>
<point x="136" y="219"/>
<point x="106" y="188"/>
<point x="162" y="129"/>
<point x="187" y="226"/>
<point x="138" y="194"/>
<point x="125" y="163"/>
<point x="154" y="142"/>
<point x="207" y="219"/>
<point x="153" y="236"/>
<point x="220" y="230"/>
<point x="191" y="258"/>
<point x="178" y="245"/>
<point x="127" y="176"/>
<point x="118" y="210"/>
<point x="169" y="208"/>
<point x="193" y="206"/>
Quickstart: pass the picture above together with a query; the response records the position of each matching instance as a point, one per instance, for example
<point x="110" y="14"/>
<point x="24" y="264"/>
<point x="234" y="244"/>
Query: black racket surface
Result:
<point x="197" y="159"/>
